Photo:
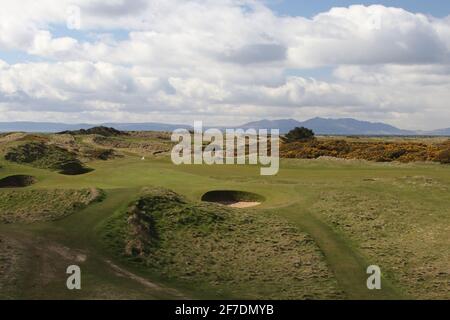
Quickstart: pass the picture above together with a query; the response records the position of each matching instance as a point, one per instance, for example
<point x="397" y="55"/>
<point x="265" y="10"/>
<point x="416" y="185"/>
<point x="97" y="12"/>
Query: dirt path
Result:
<point x="49" y="248"/>
<point x="145" y="282"/>
<point x="82" y="228"/>
<point x="348" y="266"/>
<point x="42" y="264"/>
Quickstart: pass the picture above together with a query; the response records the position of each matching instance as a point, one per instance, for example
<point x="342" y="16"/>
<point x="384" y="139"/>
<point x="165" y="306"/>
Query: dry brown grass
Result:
<point x="11" y="266"/>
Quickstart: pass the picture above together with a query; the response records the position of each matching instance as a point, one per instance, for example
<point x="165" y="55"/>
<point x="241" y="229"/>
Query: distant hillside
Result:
<point x="350" y="126"/>
<point x="24" y="126"/>
<point x="53" y="127"/>
<point x="101" y="130"/>
<point x="331" y="126"/>
<point x="284" y="125"/>
<point x="440" y="132"/>
<point x="147" y="126"/>
<point x="323" y="126"/>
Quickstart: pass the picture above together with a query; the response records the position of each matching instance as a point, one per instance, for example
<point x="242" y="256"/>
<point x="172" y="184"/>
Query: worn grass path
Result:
<point x="348" y="266"/>
<point x="56" y="245"/>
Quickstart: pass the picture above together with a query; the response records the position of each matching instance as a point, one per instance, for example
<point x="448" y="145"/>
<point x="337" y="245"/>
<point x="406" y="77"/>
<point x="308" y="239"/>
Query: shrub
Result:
<point x="101" y="130"/>
<point x="101" y="154"/>
<point x="299" y="134"/>
<point x="368" y="150"/>
<point x="444" y="156"/>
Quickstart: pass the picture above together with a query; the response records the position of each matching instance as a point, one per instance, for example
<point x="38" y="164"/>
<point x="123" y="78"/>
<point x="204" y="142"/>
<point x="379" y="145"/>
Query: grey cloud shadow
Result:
<point x="256" y="53"/>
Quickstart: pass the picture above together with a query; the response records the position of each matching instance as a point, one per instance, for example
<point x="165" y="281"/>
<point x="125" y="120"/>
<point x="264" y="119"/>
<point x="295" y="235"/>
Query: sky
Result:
<point x="225" y="61"/>
<point x="309" y="8"/>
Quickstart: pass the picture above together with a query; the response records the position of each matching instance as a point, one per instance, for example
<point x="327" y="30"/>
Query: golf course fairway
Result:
<point x="335" y="205"/>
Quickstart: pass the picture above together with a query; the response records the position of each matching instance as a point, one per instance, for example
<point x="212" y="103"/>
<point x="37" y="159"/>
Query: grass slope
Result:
<point x="41" y="155"/>
<point x="242" y="253"/>
<point x="408" y="237"/>
<point x="311" y="194"/>
<point x="26" y="206"/>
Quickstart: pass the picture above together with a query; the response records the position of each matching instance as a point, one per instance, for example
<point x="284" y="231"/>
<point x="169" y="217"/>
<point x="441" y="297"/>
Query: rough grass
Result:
<point x="145" y="144"/>
<point x="372" y="150"/>
<point x="407" y="236"/>
<point x="101" y="130"/>
<point x="27" y="206"/>
<point x="243" y="253"/>
<point x="41" y="155"/>
<point x="98" y="154"/>
<point x="11" y="267"/>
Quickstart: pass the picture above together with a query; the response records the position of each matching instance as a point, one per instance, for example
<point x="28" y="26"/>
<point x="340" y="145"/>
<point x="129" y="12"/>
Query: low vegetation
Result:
<point x="407" y="235"/>
<point x="11" y="267"/>
<point x="101" y="130"/>
<point x="135" y="144"/>
<point x="240" y="253"/>
<point x="41" y="155"/>
<point x="393" y="215"/>
<point x="444" y="156"/>
<point x="27" y="206"/>
<point x="99" y="154"/>
<point x="379" y="151"/>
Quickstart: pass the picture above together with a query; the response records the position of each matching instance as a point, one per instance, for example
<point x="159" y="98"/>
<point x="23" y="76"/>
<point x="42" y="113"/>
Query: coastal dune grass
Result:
<point x="242" y="253"/>
<point x="35" y="205"/>
<point x="321" y="224"/>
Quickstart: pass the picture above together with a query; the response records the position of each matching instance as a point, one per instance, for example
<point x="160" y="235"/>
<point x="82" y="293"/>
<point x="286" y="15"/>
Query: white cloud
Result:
<point x="222" y="60"/>
<point x="368" y="35"/>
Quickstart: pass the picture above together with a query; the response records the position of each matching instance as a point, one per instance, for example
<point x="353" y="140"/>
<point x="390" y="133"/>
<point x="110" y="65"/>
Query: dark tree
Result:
<point x="299" y="134"/>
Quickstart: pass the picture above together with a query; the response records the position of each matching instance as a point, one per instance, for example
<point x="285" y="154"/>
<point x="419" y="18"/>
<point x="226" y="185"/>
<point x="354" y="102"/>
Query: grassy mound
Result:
<point x="135" y="143"/>
<point x="17" y="181"/>
<point x="26" y="206"/>
<point x="101" y="130"/>
<point x="99" y="154"/>
<point x="41" y="155"/>
<point x="239" y="254"/>
<point x="231" y="196"/>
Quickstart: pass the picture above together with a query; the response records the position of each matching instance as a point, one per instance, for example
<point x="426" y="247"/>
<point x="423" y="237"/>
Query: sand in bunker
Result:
<point x="233" y="198"/>
<point x="241" y="204"/>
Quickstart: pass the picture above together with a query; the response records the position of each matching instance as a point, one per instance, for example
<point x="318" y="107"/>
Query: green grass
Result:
<point x="32" y="205"/>
<point x="240" y="253"/>
<point x="41" y="155"/>
<point x="402" y="225"/>
<point x="311" y="196"/>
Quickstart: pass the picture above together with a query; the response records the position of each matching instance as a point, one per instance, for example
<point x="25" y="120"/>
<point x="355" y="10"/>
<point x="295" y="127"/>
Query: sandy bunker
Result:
<point x="17" y="181"/>
<point x="233" y="198"/>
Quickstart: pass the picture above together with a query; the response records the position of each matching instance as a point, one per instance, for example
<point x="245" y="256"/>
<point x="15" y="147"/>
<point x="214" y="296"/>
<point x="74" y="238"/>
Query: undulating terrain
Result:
<point x="113" y="203"/>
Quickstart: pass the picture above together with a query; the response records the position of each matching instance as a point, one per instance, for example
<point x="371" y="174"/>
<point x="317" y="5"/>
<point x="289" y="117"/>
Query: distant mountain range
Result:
<point x="324" y="126"/>
<point x="321" y="126"/>
<point x="60" y="127"/>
